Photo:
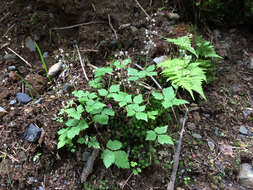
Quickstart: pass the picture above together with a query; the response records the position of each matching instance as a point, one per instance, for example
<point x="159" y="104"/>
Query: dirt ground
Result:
<point x="25" y="165"/>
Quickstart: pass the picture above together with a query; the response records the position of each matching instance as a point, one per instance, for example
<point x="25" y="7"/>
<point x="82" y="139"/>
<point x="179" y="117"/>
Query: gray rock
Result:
<point x="191" y="126"/>
<point x="246" y="175"/>
<point x="30" y="180"/>
<point x="41" y="188"/>
<point x="247" y="112"/>
<point x="32" y="133"/>
<point x="133" y="28"/>
<point x="45" y="54"/>
<point x="85" y="156"/>
<point x="67" y="88"/>
<point x="211" y="145"/>
<point x="206" y="115"/>
<point x="12" y="102"/>
<point x="38" y="101"/>
<point x="250" y="66"/>
<point x="8" y="57"/>
<point x="2" y="111"/>
<point x="11" y="68"/>
<point x="160" y="59"/>
<point x="29" y="44"/>
<point x="243" y="130"/>
<point x="197" y="136"/>
<point x="23" y="98"/>
<point x="55" y="69"/>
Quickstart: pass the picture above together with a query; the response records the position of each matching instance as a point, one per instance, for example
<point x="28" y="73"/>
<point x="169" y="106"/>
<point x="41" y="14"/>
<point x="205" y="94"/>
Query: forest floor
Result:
<point x="218" y="135"/>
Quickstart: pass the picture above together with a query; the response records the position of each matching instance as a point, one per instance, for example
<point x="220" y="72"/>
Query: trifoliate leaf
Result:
<point x="61" y="131"/>
<point x="61" y="144"/>
<point x="72" y="122"/>
<point x="141" y="116"/>
<point x="101" y="119"/>
<point x="80" y="109"/>
<point x="114" y="145"/>
<point x="157" y="95"/>
<point x="102" y="71"/>
<point x="73" y="113"/>
<point x="102" y="92"/>
<point x="150" y="68"/>
<point x="152" y="114"/>
<point x="114" y="88"/>
<point x="72" y="132"/>
<point x="150" y="136"/>
<point x="121" y="159"/>
<point x="161" y="130"/>
<point x="165" y="139"/>
<point x="132" y="72"/>
<point x="168" y="93"/>
<point x="108" y="158"/>
<point x="108" y="111"/>
<point x="167" y="104"/>
<point x="93" y="143"/>
<point x="82" y="125"/>
<point x="178" y="102"/>
<point x="81" y="140"/>
<point x="92" y="95"/>
<point x="138" y="99"/>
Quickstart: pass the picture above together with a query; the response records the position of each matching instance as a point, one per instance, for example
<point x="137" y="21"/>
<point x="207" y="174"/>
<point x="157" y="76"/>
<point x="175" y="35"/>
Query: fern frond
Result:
<point x="205" y="49"/>
<point x="184" y="74"/>
<point x="183" y="42"/>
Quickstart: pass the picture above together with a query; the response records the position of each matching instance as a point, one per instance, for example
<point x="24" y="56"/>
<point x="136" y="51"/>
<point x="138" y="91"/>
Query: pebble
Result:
<point x="11" y="68"/>
<point x="161" y="59"/>
<point x="30" y="180"/>
<point x="55" y="69"/>
<point x="67" y="88"/>
<point x="211" y="145"/>
<point x="85" y="156"/>
<point x="32" y="133"/>
<point x="2" y="111"/>
<point x="235" y="89"/>
<point x="41" y="188"/>
<point x="12" y="102"/>
<point x="246" y="175"/>
<point x="246" y="112"/>
<point x="217" y="131"/>
<point x="8" y="57"/>
<point x="197" y="136"/>
<point x="250" y="66"/>
<point x="23" y="98"/>
<point x="45" y="54"/>
<point x="191" y="126"/>
<point x="243" y="130"/>
<point x="29" y="43"/>
<point x="38" y="101"/>
<point x="206" y="115"/>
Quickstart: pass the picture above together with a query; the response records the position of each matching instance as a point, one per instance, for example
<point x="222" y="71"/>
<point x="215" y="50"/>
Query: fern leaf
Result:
<point x="184" y="74"/>
<point x="183" y="43"/>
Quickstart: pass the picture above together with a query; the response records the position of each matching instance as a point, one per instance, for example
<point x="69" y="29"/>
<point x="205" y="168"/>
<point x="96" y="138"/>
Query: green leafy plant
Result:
<point x="116" y="106"/>
<point x="189" y="72"/>
<point x="159" y="134"/>
<point x="113" y="155"/>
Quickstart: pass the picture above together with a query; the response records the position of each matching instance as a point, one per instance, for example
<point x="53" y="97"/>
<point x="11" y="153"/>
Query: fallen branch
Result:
<point x="143" y="9"/>
<point x="110" y="24"/>
<point x="82" y="64"/>
<point x="87" y="170"/>
<point x="20" y="57"/>
<point x="76" y="25"/>
<point x="177" y="154"/>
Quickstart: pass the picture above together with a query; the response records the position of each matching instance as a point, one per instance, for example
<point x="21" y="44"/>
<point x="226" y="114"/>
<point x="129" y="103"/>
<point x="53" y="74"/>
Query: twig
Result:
<point x="7" y="14"/>
<point x="143" y="9"/>
<point x="9" y="29"/>
<point x="157" y="84"/>
<point x="177" y="154"/>
<point x="89" y="165"/>
<point x="110" y="24"/>
<point x="10" y="156"/>
<point x="81" y="61"/>
<point x="76" y="25"/>
<point x="19" y="57"/>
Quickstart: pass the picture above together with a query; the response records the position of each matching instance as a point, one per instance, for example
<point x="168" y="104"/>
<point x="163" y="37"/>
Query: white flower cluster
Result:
<point x="149" y="35"/>
<point x="121" y="54"/>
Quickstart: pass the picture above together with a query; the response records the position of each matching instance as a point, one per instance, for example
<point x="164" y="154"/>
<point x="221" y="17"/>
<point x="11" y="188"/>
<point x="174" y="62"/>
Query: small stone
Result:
<point x="38" y="101"/>
<point x="217" y="131"/>
<point x="206" y="115"/>
<point x="2" y="111"/>
<point x="12" y="102"/>
<point x="85" y="156"/>
<point x="31" y="180"/>
<point x="32" y="133"/>
<point x="243" y="130"/>
<point x="29" y="43"/>
<point x="67" y="88"/>
<point x="133" y="28"/>
<point x="246" y="175"/>
<point x="23" y="98"/>
<point x="54" y="179"/>
<point x="191" y="126"/>
<point x="41" y="188"/>
<point x="197" y="136"/>
<point x="55" y="69"/>
<point x="247" y="112"/>
<point x="13" y="76"/>
<point x="11" y="68"/>
<point x="250" y="66"/>
<point x="45" y="54"/>
<point x="211" y="145"/>
<point x="235" y="89"/>
<point x="8" y="57"/>
<point x="226" y="149"/>
<point x="160" y="59"/>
